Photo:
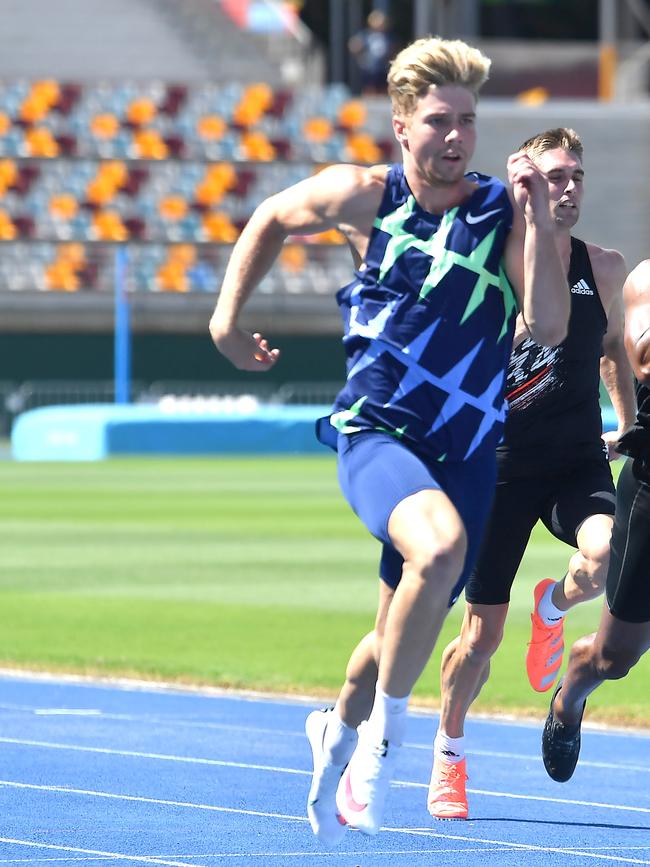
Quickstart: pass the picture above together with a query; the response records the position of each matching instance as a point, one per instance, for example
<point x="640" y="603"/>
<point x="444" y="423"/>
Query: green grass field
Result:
<point x="249" y="573"/>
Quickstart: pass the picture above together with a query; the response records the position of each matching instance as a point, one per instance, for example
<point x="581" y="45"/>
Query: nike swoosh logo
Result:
<point x="349" y="798"/>
<point x="478" y="218"/>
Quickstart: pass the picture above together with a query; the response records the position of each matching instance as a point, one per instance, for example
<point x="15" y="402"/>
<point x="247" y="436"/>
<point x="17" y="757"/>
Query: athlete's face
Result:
<point x="439" y="138"/>
<point x="565" y="184"/>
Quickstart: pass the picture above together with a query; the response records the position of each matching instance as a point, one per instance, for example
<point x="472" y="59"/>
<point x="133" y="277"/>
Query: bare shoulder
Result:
<point x="640" y="275"/>
<point x="637" y="284"/>
<point x="609" y="271"/>
<point x="341" y="194"/>
<point x="348" y="180"/>
<point x="351" y="196"/>
<point x="607" y="265"/>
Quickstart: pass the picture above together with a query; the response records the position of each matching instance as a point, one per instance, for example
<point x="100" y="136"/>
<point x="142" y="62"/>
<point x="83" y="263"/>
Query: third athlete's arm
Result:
<point x="636" y="299"/>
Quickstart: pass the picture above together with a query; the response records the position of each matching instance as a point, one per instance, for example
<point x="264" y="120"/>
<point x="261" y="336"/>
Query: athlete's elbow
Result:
<point x="548" y="334"/>
<point x="556" y="336"/>
<point x="642" y="371"/>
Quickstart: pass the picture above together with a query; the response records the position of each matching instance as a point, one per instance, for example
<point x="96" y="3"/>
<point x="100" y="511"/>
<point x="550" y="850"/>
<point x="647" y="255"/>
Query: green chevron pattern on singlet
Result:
<point x="401" y="240"/>
<point x="443" y="259"/>
<point x="341" y="420"/>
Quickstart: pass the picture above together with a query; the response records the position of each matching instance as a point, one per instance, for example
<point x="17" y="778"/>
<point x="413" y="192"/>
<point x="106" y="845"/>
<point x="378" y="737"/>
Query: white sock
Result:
<point x="387" y="719"/>
<point x="547" y="609"/>
<point x="449" y="749"/>
<point x="340" y="740"/>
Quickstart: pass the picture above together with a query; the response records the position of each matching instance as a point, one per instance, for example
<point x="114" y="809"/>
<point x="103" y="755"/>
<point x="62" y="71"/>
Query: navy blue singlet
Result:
<point x="428" y="322"/>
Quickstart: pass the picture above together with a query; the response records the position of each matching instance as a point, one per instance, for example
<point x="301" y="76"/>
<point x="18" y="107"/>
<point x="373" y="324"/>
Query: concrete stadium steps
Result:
<point x="93" y="39"/>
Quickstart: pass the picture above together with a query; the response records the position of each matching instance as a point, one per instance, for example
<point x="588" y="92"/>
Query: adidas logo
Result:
<point x="582" y="288"/>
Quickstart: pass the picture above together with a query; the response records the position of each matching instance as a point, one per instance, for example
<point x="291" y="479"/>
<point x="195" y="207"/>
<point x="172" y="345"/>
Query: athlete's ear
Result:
<point x="399" y="128"/>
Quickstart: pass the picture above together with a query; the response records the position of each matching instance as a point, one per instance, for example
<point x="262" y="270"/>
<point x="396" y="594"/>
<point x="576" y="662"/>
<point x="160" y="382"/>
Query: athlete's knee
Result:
<point x="615" y="663"/>
<point x="589" y="568"/>
<point x="481" y="639"/>
<point x="592" y="558"/>
<point x="440" y="557"/>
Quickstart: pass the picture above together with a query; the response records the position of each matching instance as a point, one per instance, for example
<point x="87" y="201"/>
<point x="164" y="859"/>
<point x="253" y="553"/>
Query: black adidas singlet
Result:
<point x="553" y="393"/>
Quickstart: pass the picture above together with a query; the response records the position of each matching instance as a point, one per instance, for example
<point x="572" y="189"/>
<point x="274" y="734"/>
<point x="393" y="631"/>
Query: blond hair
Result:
<point x="560" y="137"/>
<point x="434" y="61"/>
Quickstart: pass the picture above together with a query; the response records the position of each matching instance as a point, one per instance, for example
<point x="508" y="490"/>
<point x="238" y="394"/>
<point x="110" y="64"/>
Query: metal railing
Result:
<point x="16" y="398"/>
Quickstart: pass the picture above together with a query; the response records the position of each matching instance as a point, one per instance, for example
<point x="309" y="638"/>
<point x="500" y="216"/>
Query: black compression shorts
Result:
<point x="562" y="501"/>
<point x="628" y="578"/>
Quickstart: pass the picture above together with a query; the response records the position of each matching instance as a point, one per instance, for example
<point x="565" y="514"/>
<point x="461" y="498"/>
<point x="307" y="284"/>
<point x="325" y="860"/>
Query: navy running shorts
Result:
<point x="561" y="500"/>
<point x="377" y="471"/>
<point x="627" y="588"/>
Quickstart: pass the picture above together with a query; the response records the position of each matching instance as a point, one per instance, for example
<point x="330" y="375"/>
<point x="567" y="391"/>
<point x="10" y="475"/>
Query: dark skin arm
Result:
<point x="636" y="297"/>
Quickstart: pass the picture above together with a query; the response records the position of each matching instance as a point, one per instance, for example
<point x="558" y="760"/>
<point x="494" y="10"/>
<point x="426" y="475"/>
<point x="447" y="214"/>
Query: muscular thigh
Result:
<point x="628" y="578"/>
<point x="469" y="487"/>
<point x="376" y="472"/>
<point x="586" y="490"/>
<point x="515" y="512"/>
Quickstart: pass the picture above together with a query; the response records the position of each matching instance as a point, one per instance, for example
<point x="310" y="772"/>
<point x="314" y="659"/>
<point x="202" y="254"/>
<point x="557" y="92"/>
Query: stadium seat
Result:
<point x="108" y="226"/>
<point x="39" y="142"/>
<point x="8" y="230"/>
<point x="8" y="175"/>
<point x="140" y="112"/>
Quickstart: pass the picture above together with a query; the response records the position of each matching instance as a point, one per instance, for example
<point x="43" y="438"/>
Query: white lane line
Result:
<point x="114" y="856"/>
<point x="212" y="807"/>
<point x="584" y="763"/>
<point x="258" y="730"/>
<point x="544" y="798"/>
<point x="161" y="757"/>
<point x="41" y="860"/>
<point x="420" y="832"/>
<point x="425" y="832"/>
<point x="594" y="728"/>
<point x="55" y="745"/>
<point x="295" y="771"/>
<point x="67" y="711"/>
<point x="141" y="799"/>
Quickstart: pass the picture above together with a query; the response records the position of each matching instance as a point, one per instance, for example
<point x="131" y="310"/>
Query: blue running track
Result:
<point x="100" y="773"/>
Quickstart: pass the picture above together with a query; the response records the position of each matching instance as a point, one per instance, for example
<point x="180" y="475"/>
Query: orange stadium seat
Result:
<point x="317" y="129"/>
<point x="149" y="145"/>
<point x="63" y="206"/>
<point x="105" y="125"/>
<point x="218" y="226"/>
<point x="39" y="101"/>
<point x="363" y="148"/>
<point x="293" y="258"/>
<point x="104" y="186"/>
<point x="61" y="276"/>
<point x="8" y="175"/>
<point x="64" y="273"/>
<point x="108" y="226"/>
<point x="8" y="230"/>
<point x="211" y="127"/>
<point x="39" y="142"/>
<point x="352" y="114"/>
<point x="257" y="147"/>
<point x="216" y="182"/>
<point x="141" y="112"/>
<point x="172" y="276"/>
<point x="173" y="208"/>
